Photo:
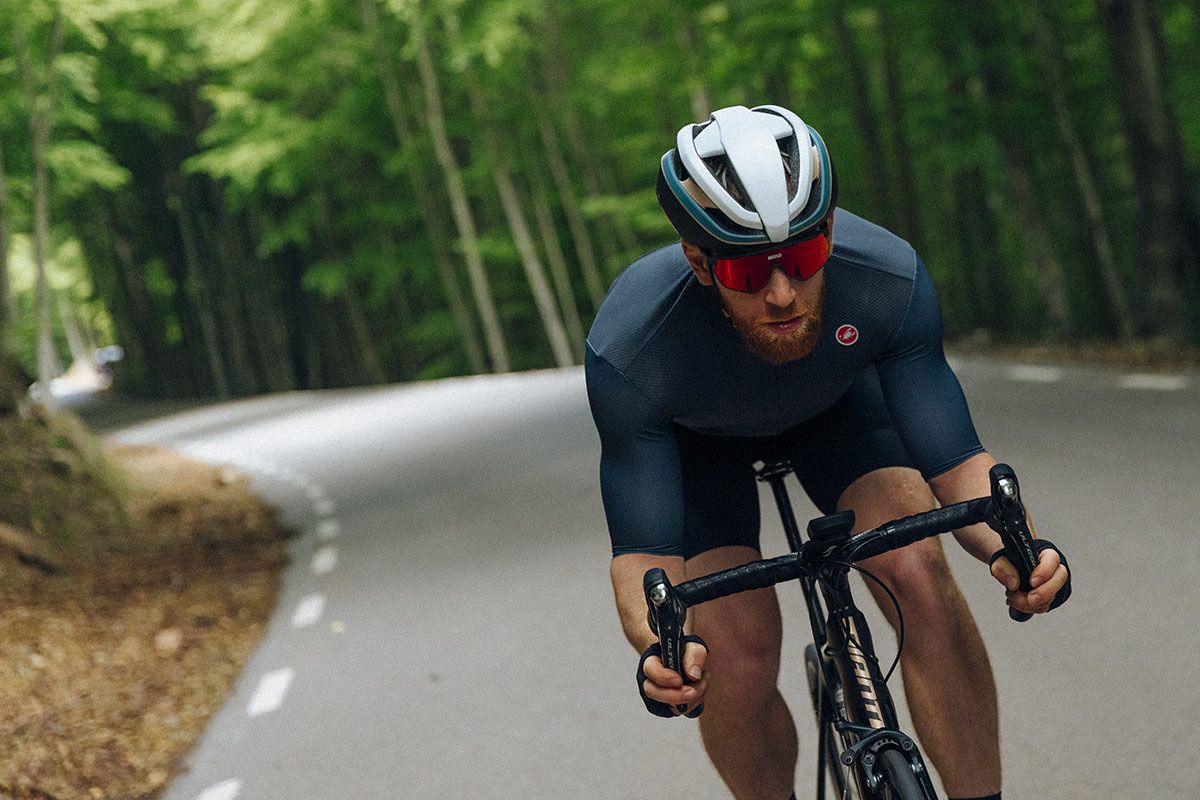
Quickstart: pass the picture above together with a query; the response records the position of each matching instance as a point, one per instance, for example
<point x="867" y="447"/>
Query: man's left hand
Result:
<point x="1048" y="578"/>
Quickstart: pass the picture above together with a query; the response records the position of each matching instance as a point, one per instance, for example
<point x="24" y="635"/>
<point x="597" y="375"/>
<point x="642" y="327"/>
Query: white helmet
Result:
<point x="746" y="180"/>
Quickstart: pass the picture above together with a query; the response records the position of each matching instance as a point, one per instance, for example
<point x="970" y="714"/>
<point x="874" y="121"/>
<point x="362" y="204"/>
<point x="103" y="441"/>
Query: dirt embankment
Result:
<point x="134" y="584"/>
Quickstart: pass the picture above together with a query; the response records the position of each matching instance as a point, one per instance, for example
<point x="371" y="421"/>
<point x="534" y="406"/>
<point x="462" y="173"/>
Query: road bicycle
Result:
<point x="861" y="749"/>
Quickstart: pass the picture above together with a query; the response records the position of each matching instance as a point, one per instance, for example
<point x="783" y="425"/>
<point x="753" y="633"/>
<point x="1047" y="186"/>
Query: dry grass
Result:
<point x="1150" y="355"/>
<point x="109" y="670"/>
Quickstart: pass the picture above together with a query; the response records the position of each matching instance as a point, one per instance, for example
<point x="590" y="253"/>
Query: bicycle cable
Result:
<point x="866" y="573"/>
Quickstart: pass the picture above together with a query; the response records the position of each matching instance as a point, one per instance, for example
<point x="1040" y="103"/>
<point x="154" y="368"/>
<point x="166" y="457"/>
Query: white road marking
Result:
<point x="308" y="611"/>
<point x="324" y="560"/>
<point x="324" y="507"/>
<point x="1162" y="383"/>
<point x="271" y="689"/>
<point x="328" y="529"/>
<point x="225" y="790"/>
<point x="1032" y="374"/>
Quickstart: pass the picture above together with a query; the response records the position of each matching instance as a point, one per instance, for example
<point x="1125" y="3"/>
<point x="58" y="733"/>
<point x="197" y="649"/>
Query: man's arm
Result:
<point x="931" y="415"/>
<point x="642" y="489"/>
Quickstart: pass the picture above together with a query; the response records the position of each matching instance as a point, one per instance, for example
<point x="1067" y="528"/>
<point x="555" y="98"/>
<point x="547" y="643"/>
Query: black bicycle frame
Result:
<point x="866" y="716"/>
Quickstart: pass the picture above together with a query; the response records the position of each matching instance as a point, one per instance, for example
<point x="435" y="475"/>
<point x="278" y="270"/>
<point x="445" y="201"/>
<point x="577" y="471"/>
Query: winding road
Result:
<point x="446" y="629"/>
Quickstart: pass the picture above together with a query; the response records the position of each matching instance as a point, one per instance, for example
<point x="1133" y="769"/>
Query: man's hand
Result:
<point x="1048" y="578"/>
<point x="664" y="685"/>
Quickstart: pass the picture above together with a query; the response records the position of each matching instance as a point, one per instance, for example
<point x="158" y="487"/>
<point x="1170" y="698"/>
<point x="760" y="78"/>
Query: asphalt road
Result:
<point x="446" y="629"/>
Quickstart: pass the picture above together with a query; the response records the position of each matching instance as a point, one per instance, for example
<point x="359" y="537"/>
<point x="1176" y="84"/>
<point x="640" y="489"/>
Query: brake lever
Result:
<point x="665" y="615"/>
<point x="1007" y="517"/>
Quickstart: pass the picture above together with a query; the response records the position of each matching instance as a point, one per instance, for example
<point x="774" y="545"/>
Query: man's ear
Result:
<point x="698" y="263"/>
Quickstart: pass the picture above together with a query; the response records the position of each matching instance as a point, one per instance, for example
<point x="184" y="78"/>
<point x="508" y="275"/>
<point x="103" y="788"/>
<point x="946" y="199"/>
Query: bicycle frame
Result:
<point x="865" y="718"/>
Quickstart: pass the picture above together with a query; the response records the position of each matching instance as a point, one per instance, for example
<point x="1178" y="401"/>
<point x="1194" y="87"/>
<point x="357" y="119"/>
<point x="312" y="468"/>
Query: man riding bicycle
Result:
<point x="784" y="326"/>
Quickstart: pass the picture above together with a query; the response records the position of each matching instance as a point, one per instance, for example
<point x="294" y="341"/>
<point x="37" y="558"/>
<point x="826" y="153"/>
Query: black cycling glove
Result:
<point x="1040" y="545"/>
<point x="654" y="706"/>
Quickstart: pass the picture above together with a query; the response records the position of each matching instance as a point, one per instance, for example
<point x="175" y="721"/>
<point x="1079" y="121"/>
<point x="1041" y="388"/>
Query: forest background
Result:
<point x="262" y="195"/>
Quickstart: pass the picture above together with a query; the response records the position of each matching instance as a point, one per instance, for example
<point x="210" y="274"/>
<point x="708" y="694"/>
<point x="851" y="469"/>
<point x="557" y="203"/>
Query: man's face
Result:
<point x="778" y="323"/>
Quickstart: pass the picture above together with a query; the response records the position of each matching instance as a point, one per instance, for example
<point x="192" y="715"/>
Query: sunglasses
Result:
<point x="802" y="260"/>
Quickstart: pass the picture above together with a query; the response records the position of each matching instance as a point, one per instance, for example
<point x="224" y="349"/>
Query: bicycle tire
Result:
<point x="841" y="781"/>
<point x="900" y="781"/>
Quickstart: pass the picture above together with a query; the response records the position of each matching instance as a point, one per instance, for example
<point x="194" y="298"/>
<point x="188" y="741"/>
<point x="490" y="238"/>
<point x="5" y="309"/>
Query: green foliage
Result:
<point x="245" y="166"/>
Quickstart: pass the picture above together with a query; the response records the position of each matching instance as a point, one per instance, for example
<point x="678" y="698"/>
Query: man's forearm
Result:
<point x="965" y="482"/>
<point x="627" y="571"/>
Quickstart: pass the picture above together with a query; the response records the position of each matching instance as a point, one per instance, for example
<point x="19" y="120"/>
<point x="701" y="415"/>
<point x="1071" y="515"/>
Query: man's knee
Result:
<point x="919" y="577"/>
<point x="743" y="632"/>
<point x="918" y="574"/>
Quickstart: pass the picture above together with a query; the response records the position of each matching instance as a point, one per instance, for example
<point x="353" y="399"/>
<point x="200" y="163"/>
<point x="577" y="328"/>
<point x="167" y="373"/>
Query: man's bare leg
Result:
<point x="746" y="726"/>
<point x="947" y="676"/>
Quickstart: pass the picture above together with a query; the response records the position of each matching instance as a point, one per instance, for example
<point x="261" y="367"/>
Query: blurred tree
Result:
<point x="1168" y="227"/>
<point x="40" y="81"/>
<point x="451" y="173"/>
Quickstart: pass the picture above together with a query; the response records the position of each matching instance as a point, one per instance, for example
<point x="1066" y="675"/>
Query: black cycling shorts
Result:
<point x="829" y="452"/>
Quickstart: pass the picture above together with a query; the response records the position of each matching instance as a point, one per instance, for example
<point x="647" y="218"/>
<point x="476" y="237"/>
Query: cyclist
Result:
<point x="784" y="325"/>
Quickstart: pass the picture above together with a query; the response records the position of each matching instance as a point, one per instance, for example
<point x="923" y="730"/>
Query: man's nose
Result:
<point x="779" y="289"/>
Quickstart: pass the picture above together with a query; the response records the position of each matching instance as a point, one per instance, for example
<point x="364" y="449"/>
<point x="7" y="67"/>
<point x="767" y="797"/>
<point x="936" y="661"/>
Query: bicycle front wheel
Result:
<point x="901" y="782"/>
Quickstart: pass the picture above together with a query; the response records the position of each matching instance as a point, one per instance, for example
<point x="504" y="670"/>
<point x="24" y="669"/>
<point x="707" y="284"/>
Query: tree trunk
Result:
<point x="864" y="115"/>
<point x="1163" y="201"/>
<point x="894" y="109"/>
<point x="989" y="281"/>
<point x="558" y="267"/>
<point x="368" y="352"/>
<point x="76" y="340"/>
<point x="200" y="299"/>
<point x="1047" y="52"/>
<point x="691" y="49"/>
<point x="585" y="157"/>
<point x="566" y="195"/>
<point x="41" y="123"/>
<point x="493" y="333"/>
<point x="992" y="91"/>
<point x="6" y="298"/>
<point x="511" y="205"/>
<point x="432" y="220"/>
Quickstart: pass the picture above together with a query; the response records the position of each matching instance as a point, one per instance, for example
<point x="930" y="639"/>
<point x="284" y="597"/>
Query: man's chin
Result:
<point x="780" y="348"/>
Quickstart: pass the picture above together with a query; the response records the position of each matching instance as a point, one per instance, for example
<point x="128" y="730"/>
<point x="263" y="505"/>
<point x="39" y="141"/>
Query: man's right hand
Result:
<point x="664" y="691"/>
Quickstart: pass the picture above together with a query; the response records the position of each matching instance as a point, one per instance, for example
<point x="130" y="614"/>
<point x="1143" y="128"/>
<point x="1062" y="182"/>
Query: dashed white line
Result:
<point x="269" y="694"/>
<point x="1032" y="374"/>
<point x="1162" y="383"/>
<point x="225" y="790"/>
<point x="308" y="611"/>
<point x="328" y="529"/>
<point x="324" y="560"/>
<point x="324" y="507"/>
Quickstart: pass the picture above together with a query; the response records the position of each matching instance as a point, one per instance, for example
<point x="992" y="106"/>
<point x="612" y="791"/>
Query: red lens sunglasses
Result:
<point x="802" y="260"/>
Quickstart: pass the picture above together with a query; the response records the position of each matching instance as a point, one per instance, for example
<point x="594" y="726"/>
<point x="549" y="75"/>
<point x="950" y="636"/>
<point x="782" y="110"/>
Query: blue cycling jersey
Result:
<point x="663" y="357"/>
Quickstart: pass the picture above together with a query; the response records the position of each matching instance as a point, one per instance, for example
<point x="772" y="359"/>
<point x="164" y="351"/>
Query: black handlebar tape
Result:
<point x="911" y="529"/>
<point x="756" y="575"/>
<point x="1007" y="517"/>
<point x="665" y="614"/>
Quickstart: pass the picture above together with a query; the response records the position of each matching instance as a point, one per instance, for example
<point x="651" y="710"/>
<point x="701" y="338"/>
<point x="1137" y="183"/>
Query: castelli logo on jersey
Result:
<point x="847" y="335"/>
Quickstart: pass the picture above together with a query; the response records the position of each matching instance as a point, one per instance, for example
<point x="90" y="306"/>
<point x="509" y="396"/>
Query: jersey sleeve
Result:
<point x="640" y="476"/>
<point x="922" y="393"/>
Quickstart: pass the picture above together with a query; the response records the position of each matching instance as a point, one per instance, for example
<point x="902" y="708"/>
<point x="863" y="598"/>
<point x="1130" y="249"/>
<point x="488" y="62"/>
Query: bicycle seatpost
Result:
<point x="773" y="472"/>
